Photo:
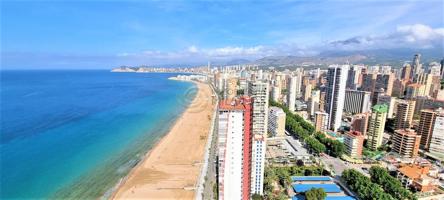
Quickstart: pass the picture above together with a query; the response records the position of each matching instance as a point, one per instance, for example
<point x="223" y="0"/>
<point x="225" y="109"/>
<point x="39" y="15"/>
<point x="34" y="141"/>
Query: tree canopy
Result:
<point x="315" y="194"/>
<point x="363" y="186"/>
<point x="390" y="184"/>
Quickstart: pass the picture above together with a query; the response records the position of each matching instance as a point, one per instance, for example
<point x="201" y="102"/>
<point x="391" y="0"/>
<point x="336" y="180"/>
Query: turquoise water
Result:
<point x="75" y="134"/>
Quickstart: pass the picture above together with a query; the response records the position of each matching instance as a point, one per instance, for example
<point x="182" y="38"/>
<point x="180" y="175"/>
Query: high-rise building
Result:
<point x="442" y="68"/>
<point x="384" y="81"/>
<point x="404" y="114"/>
<point x="359" y="123"/>
<point x="376" y="127"/>
<point x="425" y="127"/>
<point x="298" y="74"/>
<point x="414" y="90"/>
<point x="276" y="93"/>
<point x="234" y="144"/>
<point x="389" y="101"/>
<point x="368" y="82"/>
<point x="354" y="141"/>
<point x="322" y="97"/>
<point x="405" y="142"/>
<point x="437" y="141"/>
<point x="321" y="121"/>
<point x="314" y="101"/>
<point x="386" y="69"/>
<point x="356" y="101"/>
<point x="258" y="91"/>
<point x="291" y="92"/>
<point x="416" y="65"/>
<point x="276" y="122"/>
<point x="399" y="88"/>
<point x="337" y="79"/>
<point x="406" y="72"/>
<point x="353" y="77"/>
<point x="307" y="92"/>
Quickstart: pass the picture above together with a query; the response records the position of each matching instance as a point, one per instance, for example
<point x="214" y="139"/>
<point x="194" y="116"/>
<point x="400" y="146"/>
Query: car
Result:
<point x="365" y="169"/>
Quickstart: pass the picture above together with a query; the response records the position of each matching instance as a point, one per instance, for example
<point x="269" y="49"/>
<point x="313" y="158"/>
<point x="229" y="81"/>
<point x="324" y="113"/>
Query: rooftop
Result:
<point x="302" y="197"/>
<point x="235" y="104"/>
<point x="354" y="133"/>
<point x="311" y="178"/>
<point x="381" y="108"/>
<point x="328" y="188"/>
<point x="414" y="171"/>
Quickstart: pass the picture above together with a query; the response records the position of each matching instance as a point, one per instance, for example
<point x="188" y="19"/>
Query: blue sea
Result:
<point x="75" y="134"/>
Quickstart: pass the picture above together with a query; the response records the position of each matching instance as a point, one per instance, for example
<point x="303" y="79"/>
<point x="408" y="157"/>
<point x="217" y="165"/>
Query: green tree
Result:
<point x="363" y="186"/>
<point x="390" y="184"/>
<point x="257" y="197"/>
<point x="315" y="194"/>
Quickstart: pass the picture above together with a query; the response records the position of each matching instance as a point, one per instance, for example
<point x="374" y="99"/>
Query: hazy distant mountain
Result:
<point x="315" y="60"/>
<point x="394" y="57"/>
<point x="238" y="62"/>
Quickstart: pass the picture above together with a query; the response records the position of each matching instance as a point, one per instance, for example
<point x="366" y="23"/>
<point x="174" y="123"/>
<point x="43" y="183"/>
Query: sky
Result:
<point x="107" y="33"/>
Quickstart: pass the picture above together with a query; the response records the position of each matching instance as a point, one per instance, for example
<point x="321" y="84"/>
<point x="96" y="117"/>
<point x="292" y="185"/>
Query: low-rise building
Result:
<point x="417" y="177"/>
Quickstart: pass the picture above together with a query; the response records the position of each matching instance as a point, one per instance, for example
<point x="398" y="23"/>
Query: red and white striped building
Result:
<point x="234" y="148"/>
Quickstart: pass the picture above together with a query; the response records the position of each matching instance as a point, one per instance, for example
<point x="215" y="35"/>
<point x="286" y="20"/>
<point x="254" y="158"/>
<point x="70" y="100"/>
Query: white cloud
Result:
<point x="193" y="49"/>
<point x="405" y="36"/>
<point x="420" y="32"/>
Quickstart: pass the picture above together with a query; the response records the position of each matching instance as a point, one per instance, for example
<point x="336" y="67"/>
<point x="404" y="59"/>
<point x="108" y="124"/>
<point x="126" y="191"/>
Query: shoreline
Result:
<point x="154" y="175"/>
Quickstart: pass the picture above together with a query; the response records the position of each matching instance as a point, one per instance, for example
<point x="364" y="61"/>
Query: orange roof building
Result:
<point x="417" y="177"/>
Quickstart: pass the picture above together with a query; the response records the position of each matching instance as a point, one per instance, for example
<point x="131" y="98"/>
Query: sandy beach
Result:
<point x="171" y="169"/>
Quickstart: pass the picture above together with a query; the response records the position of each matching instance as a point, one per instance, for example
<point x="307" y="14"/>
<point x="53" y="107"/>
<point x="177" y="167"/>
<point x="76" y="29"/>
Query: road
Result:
<point x="210" y="177"/>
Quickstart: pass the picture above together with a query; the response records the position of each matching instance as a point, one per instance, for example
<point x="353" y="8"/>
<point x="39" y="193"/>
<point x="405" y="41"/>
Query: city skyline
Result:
<point x="96" y="35"/>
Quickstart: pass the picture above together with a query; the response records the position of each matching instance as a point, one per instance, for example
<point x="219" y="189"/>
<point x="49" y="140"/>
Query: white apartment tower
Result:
<point x="291" y="92"/>
<point x="258" y="91"/>
<point x="234" y="149"/>
<point x="335" y="97"/>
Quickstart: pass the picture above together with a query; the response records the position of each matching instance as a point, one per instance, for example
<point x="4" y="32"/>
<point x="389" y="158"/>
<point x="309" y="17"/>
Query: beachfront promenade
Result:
<point x="174" y="168"/>
<point x="204" y="171"/>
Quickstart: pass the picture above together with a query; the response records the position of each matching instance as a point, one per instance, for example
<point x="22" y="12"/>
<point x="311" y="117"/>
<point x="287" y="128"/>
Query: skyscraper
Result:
<point x="442" y="68"/>
<point x="357" y="101"/>
<point x="425" y="127"/>
<point x="384" y="81"/>
<point x="337" y="80"/>
<point x="404" y="114"/>
<point x="368" y="82"/>
<point x="314" y="101"/>
<point x="389" y="101"/>
<point x="276" y="93"/>
<point x="298" y="74"/>
<point x="416" y="65"/>
<point x="291" y="92"/>
<point x="406" y="72"/>
<point x="234" y="144"/>
<point x="376" y="126"/>
<point x="353" y="77"/>
<point x="360" y="122"/>
<point x="258" y="91"/>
